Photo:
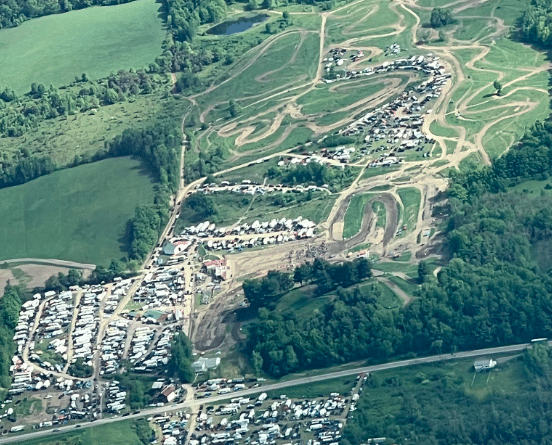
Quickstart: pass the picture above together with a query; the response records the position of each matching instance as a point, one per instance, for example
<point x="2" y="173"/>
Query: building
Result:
<point x="168" y="394"/>
<point x="204" y="364"/>
<point x="484" y="364"/>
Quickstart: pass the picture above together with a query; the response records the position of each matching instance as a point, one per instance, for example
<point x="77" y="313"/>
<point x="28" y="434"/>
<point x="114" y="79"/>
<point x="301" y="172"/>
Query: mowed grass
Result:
<point x="410" y="198"/>
<point x="352" y="222"/>
<point x="120" y="433"/>
<point x="56" y="48"/>
<point x="78" y="214"/>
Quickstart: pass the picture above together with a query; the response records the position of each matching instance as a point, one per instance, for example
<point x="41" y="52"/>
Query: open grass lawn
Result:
<point x="410" y="197"/>
<point x="77" y="214"/>
<point x="119" y="433"/>
<point x="56" y="48"/>
<point x="354" y="214"/>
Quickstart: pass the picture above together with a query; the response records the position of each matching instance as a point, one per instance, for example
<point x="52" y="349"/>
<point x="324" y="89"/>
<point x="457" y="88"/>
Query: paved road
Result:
<point x="280" y="386"/>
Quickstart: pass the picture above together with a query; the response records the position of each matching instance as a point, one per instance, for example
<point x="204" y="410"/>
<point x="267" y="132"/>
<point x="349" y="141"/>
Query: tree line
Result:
<point x="10" y="305"/>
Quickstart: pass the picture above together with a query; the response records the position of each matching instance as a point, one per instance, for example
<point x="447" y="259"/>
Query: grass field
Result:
<point x="410" y="198"/>
<point x="352" y="221"/>
<point x="56" y="48"/>
<point x="75" y="214"/>
<point x="379" y="210"/>
<point x="120" y="433"/>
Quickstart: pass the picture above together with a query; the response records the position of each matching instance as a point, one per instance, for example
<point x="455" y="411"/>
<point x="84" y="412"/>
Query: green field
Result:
<point x="410" y="198"/>
<point x="352" y="222"/>
<point x="120" y="433"/>
<point x="77" y="214"/>
<point x="56" y="48"/>
<point x="379" y="209"/>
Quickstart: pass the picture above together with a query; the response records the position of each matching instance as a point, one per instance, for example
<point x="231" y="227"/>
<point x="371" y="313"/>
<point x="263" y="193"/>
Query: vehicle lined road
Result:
<point x="280" y="386"/>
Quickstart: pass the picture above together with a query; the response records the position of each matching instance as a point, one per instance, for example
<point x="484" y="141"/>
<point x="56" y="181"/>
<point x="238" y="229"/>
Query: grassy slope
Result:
<point x="77" y="214"/>
<point x="96" y="41"/>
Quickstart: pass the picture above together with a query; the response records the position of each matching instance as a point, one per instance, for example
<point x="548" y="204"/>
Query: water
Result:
<point x="238" y="25"/>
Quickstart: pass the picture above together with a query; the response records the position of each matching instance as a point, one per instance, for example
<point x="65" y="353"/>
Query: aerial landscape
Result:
<point x="277" y="222"/>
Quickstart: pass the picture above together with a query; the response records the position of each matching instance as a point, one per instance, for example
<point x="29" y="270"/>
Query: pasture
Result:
<point x="56" y="48"/>
<point x="78" y="214"/>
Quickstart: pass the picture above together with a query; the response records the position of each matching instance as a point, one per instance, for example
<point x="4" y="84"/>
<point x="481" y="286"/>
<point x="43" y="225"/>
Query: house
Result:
<point x="168" y="394"/>
<point x="484" y="364"/>
<point x="204" y="364"/>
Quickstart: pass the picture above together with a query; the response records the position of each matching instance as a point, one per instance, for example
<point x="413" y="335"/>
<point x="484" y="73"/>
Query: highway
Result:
<point x="278" y="386"/>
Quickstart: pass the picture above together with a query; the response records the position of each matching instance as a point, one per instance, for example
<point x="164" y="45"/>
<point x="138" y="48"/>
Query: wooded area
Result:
<point x="536" y="22"/>
<point x="432" y="405"/>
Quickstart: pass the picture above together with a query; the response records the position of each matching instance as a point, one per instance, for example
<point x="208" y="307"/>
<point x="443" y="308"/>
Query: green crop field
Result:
<point x="77" y="214"/>
<point x="56" y="48"/>
<point x="352" y="222"/>
<point x="120" y="433"/>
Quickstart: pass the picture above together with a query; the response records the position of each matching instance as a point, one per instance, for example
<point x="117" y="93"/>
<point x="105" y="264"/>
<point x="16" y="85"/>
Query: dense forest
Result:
<point x="431" y="406"/>
<point x="536" y="22"/>
<point x="495" y="290"/>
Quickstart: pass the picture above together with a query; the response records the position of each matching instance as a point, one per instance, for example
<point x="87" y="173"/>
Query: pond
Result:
<point x="237" y="25"/>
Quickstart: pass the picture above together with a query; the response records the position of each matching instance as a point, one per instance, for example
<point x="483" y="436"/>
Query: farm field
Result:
<point x="75" y="214"/>
<point x="94" y="41"/>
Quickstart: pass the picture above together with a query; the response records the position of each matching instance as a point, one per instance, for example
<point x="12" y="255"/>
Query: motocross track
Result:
<point x="210" y="326"/>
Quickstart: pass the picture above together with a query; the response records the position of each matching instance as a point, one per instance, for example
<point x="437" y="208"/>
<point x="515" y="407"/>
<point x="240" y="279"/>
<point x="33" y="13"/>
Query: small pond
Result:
<point x="237" y="25"/>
